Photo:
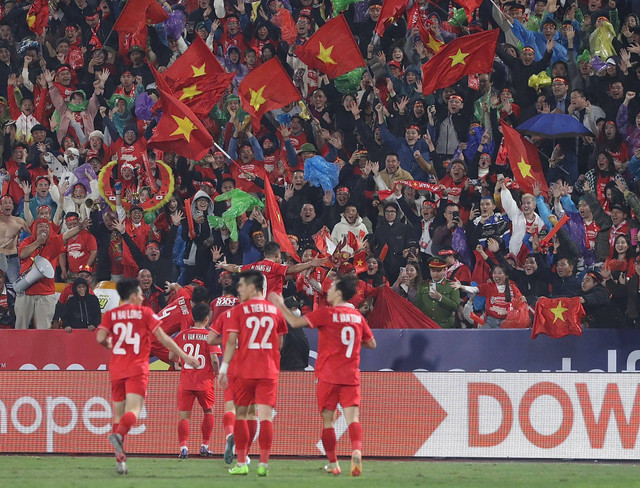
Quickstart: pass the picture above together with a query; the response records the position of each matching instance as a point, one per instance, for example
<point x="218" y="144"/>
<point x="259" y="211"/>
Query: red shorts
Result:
<point x="205" y="398"/>
<point x="133" y="384"/>
<point x="228" y="392"/>
<point x="249" y="391"/>
<point x="329" y="395"/>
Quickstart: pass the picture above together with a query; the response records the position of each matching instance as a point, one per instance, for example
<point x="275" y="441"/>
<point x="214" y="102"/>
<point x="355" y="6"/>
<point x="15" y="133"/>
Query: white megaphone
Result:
<point x="41" y="269"/>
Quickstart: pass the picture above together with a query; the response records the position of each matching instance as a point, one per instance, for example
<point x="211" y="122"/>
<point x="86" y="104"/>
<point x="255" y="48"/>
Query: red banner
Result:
<point x="70" y="412"/>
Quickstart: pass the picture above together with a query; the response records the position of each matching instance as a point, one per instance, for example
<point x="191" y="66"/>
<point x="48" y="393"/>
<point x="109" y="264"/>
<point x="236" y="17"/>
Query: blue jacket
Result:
<point x="405" y="152"/>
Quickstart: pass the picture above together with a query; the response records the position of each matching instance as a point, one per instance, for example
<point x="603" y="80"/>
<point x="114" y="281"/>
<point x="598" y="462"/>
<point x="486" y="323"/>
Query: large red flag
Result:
<point x="391" y="311"/>
<point x="391" y="11"/>
<point x="558" y="317"/>
<point x="196" y="78"/>
<point x="463" y="56"/>
<point x="469" y="6"/>
<point x="266" y="88"/>
<point x="180" y="131"/>
<point x="427" y="38"/>
<point x="136" y="12"/>
<point x="38" y="16"/>
<point x="273" y="214"/>
<point x="332" y="49"/>
<point x="524" y="160"/>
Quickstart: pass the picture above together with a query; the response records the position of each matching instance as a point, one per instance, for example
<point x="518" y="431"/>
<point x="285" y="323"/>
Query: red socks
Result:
<point x="241" y="436"/>
<point x="253" y="427"/>
<point x="329" y="442"/>
<point x="183" y="432"/>
<point x="355" y="433"/>
<point x="227" y="422"/>
<point x="114" y="428"/>
<point x="127" y="421"/>
<point x="266" y="439"/>
<point x="207" y="428"/>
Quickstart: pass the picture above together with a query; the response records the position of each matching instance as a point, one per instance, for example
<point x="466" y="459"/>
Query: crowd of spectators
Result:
<point x="68" y="108"/>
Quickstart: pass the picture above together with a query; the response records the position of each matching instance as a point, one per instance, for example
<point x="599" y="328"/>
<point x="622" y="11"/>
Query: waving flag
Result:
<point x="558" y="317"/>
<point x="38" y="16"/>
<point x="391" y="11"/>
<point x="136" y="12"/>
<point x="273" y="214"/>
<point x="524" y="160"/>
<point x="332" y="49"/>
<point x="463" y="56"/>
<point x="268" y="87"/>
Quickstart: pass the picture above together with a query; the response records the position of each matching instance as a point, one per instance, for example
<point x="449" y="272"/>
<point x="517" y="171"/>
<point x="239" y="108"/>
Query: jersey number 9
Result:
<point x="348" y="337"/>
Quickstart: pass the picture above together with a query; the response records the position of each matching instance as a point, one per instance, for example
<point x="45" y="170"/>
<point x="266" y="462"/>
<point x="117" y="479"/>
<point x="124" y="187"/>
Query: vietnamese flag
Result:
<point x="38" y="16"/>
<point x="180" y="131"/>
<point x="524" y="160"/>
<point x="391" y="11"/>
<point x="360" y="261"/>
<point x="137" y="12"/>
<point x="332" y="49"/>
<point x="428" y="39"/>
<point x="268" y="87"/>
<point x="469" y="6"/>
<point x="196" y="78"/>
<point x="558" y="317"/>
<point x="274" y="216"/>
<point x="467" y="55"/>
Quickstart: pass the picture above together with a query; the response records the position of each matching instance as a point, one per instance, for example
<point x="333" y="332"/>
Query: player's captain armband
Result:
<point x="224" y="367"/>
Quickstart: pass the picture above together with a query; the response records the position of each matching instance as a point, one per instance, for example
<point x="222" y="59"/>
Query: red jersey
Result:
<point x="218" y="326"/>
<point x="193" y="341"/>
<point x="341" y="331"/>
<point x="222" y="304"/>
<point x="255" y="168"/>
<point x="274" y="272"/>
<point x="176" y="316"/>
<point x="51" y="250"/>
<point x="79" y="249"/>
<point x="132" y="327"/>
<point x="590" y="233"/>
<point x="497" y="305"/>
<point x="259" y="324"/>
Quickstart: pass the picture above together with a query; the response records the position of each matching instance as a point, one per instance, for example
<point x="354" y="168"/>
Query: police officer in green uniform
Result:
<point x="436" y="298"/>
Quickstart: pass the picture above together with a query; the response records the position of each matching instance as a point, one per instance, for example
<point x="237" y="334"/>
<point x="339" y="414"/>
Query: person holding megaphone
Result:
<point x="35" y="288"/>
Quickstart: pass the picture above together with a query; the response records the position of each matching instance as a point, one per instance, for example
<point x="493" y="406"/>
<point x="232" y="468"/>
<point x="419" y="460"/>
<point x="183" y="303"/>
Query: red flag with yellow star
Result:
<point x="360" y="261"/>
<point x="463" y="56"/>
<point x="524" y="159"/>
<point x="331" y="49"/>
<point x="558" y="317"/>
<point x="136" y="12"/>
<point x="427" y="38"/>
<point x="38" y="16"/>
<point x="180" y="131"/>
<point x="196" y="78"/>
<point x="268" y="87"/>
<point x="273" y="214"/>
<point x="391" y="11"/>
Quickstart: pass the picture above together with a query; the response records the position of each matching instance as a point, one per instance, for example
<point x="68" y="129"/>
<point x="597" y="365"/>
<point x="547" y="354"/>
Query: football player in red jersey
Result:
<point x="257" y="327"/>
<point x="131" y="326"/>
<point x="272" y="268"/>
<point x="197" y="382"/>
<point x="341" y="332"/>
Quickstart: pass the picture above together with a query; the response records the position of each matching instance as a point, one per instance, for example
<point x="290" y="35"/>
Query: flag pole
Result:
<point x="496" y="6"/>
<point x="228" y="157"/>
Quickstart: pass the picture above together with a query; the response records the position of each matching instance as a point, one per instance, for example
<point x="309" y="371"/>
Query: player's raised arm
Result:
<point x="294" y="320"/>
<point x="169" y="343"/>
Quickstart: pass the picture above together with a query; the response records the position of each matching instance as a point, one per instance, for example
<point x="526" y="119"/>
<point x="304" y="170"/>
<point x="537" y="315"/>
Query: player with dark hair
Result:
<point x="342" y="330"/>
<point x="176" y="316"/>
<point x="131" y="326"/>
<point x="197" y="382"/>
<point x="256" y="326"/>
<point x="272" y="268"/>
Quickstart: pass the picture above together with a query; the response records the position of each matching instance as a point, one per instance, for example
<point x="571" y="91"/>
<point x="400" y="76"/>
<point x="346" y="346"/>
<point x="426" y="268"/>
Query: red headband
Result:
<point x="528" y="48"/>
<point x="415" y="127"/>
<point x="428" y="203"/>
<point x="456" y="96"/>
<point x="561" y="80"/>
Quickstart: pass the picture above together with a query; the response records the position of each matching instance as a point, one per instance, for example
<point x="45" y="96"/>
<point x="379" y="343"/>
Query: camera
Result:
<point x="456" y="214"/>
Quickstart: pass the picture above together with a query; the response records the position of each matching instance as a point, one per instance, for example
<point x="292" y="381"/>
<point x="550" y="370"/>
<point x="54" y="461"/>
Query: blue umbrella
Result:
<point x="554" y="126"/>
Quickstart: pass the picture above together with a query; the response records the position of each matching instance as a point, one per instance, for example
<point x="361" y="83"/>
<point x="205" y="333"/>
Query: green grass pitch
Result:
<point x="96" y="472"/>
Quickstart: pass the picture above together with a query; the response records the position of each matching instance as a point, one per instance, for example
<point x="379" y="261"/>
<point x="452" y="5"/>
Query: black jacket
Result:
<point x="81" y="312"/>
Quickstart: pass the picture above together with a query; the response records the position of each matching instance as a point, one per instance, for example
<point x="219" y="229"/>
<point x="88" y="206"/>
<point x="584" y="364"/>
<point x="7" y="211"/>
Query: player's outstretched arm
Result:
<point x="170" y="344"/>
<point x="297" y="268"/>
<point x="294" y="320"/>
